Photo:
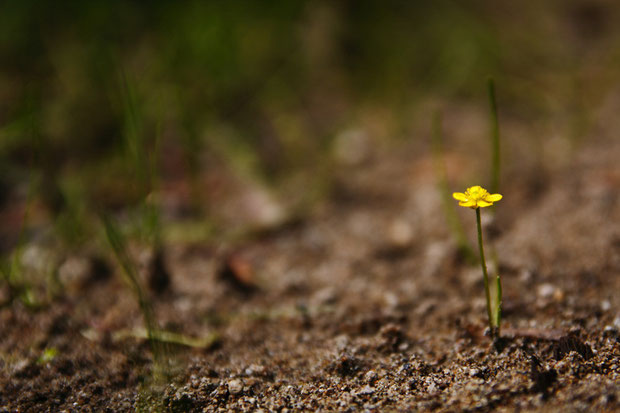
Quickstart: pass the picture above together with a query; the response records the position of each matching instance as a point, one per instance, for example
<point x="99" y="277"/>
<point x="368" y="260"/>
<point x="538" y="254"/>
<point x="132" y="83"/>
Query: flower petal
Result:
<point x="493" y="197"/>
<point x="483" y="204"/>
<point x="467" y="203"/>
<point x="459" y="196"/>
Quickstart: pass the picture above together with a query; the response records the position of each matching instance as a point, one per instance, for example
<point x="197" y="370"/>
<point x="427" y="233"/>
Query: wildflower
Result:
<point x="476" y="197"/>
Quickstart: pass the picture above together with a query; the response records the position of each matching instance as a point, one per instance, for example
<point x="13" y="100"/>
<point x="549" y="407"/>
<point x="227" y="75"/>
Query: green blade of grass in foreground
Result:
<point x="495" y="178"/>
<point x="497" y="307"/>
<point x="495" y="159"/>
<point x="169" y="337"/>
<point x="452" y="217"/>
<point x="130" y="275"/>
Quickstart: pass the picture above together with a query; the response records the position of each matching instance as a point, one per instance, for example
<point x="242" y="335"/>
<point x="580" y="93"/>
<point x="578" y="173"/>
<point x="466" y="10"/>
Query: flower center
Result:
<point x="477" y="193"/>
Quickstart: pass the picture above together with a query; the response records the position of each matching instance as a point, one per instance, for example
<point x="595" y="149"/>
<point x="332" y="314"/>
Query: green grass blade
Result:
<point x="170" y="337"/>
<point x="495" y="148"/>
<point x="497" y="308"/>
<point x="118" y="245"/>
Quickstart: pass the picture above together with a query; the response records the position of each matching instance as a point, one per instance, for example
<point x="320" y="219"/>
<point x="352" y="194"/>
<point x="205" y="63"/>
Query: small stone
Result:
<point x="21" y="365"/>
<point x="255" y="369"/>
<point x="325" y="296"/>
<point x="526" y="275"/>
<point x="370" y="376"/>
<point x="341" y="342"/>
<point x="235" y="386"/>
<point x="366" y="390"/>
<point x="74" y="270"/>
<point x="546" y="290"/>
<point x="610" y="331"/>
<point x="261" y="208"/>
<point x="391" y="300"/>
<point x="400" y="233"/>
<point x="75" y="273"/>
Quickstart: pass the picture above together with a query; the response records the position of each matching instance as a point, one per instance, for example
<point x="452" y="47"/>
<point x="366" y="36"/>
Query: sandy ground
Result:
<point x="365" y="305"/>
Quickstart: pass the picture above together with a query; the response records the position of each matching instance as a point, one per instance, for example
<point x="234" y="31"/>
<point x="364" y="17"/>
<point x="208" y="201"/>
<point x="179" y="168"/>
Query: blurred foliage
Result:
<point x="87" y="88"/>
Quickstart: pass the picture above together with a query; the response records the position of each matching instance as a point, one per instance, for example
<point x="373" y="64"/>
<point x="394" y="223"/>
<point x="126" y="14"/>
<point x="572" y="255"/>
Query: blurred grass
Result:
<point x="447" y="202"/>
<point x="261" y="89"/>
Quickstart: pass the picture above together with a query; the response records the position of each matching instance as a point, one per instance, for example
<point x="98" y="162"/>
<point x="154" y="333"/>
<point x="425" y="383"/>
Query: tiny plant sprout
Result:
<point x="475" y="198"/>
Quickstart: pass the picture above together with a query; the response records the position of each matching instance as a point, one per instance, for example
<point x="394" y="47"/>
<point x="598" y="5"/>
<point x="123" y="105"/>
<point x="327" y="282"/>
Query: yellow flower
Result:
<point x="476" y="197"/>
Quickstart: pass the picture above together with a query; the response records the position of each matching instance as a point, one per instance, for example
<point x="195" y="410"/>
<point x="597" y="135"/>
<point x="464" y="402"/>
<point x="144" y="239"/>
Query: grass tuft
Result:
<point x="118" y="245"/>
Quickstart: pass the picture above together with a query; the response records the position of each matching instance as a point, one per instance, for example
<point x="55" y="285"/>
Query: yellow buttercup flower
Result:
<point x="476" y="197"/>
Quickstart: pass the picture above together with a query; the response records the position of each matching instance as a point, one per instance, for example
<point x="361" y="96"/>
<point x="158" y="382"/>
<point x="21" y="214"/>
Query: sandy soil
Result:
<point x="365" y="305"/>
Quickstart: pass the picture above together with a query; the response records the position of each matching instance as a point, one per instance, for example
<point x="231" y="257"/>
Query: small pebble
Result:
<point x="254" y="369"/>
<point x="545" y="290"/>
<point x="526" y="275"/>
<point x="370" y="376"/>
<point x="550" y="291"/>
<point x="400" y="233"/>
<point x="366" y="390"/>
<point x="235" y="386"/>
<point x="610" y="331"/>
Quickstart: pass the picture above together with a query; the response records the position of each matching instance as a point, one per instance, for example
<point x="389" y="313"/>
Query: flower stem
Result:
<point x="483" y="264"/>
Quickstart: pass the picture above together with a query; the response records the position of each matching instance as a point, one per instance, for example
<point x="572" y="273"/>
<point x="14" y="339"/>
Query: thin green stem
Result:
<point x="498" y="305"/>
<point x="496" y="162"/>
<point x="485" y="274"/>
